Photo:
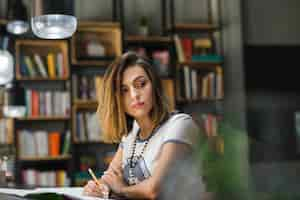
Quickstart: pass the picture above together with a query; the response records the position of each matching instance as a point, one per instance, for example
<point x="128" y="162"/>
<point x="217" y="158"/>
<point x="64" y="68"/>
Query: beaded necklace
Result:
<point x="134" y="159"/>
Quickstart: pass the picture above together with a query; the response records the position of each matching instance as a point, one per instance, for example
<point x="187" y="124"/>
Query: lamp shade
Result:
<point x="54" y="26"/>
<point x="6" y="67"/>
<point x="17" y="17"/>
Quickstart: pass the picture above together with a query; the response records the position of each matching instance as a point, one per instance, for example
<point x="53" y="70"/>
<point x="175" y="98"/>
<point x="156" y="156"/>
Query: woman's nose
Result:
<point x="134" y="93"/>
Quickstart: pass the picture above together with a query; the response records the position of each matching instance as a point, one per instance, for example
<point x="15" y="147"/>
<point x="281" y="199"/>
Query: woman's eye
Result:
<point x="140" y="84"/>
<point x="124" y="90"/>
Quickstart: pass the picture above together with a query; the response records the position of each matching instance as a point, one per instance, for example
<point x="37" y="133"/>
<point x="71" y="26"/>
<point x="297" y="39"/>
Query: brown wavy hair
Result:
<point x="115" y="123"/>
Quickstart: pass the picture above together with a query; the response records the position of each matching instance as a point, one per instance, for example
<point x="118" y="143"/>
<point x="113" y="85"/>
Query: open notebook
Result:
<point x="71" y="192"/>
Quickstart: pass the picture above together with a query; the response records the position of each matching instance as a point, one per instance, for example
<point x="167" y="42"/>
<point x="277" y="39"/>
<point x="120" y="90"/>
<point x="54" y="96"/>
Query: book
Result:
<point x="207" y="58"/>
<point x="54" y="143"/>
<point x="51" y="65"/>
<point x="66" y="143"/>
<point x="186" y="70"/>
<point x="49" y="193"/>
<point x="40" y="65"/>
<point x="30" y="67"/>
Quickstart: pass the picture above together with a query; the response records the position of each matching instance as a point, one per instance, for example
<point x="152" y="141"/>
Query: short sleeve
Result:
<point x="181" y="128"/>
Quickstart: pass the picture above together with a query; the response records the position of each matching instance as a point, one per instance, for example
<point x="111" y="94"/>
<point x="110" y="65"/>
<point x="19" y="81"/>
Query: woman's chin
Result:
<point x="139" y="115"/>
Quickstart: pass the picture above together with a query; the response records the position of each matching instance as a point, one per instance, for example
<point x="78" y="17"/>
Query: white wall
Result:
<point x="272" y="21"/>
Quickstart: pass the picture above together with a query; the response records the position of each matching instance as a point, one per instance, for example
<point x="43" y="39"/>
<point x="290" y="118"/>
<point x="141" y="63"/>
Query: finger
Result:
<point x="97" y="191"/>
<point x="93" y="186"/>
<point x="95" y="194"/>
<point x="88" y="186"/>
<point x="87" y="191"/>
<point x="91" y="183"/>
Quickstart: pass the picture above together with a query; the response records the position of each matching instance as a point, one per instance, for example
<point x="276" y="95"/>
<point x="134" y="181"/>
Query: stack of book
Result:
<point x="50" y="66"/>
<point x="47" y="103"/>
<point x="43" y="144"/>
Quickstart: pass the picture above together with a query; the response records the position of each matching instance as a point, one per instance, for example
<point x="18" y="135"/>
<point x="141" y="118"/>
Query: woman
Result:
<point x="134" y="110"/>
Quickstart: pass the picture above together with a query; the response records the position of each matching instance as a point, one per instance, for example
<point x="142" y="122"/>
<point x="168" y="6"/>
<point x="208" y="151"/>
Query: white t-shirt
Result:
<point x="179" y="128"/>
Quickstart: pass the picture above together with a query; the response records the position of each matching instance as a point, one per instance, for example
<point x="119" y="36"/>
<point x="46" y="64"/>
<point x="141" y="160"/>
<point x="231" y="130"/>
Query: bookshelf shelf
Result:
<point x="89" y="142"/>
<point x="201" y="27"/>
<point x="38" y="59"/>
<point x="44" y="118"/>
<point x="42" y="73"/>
<point x="7" y="128"/>
<point x="95" y="44"/>
<point x="46" y="158"/>
<point x="40" y="79"/>
<point x="148" y="39"/>
<point x="200" y="100"/>
<point x="200" y="65"/>
<point x="85" y="103"/>
<point x="90" y="63"/>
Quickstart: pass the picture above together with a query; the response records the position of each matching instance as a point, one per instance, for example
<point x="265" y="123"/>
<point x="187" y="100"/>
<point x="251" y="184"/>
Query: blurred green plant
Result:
<point x="224" y="162"/>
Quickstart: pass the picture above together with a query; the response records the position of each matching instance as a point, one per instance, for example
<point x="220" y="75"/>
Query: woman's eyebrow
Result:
<point x="134" y="80"/>
<point x="137" y="78"/>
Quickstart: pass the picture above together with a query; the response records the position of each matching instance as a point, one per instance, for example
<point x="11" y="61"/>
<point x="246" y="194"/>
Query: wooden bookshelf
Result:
<point x="49" y="60"/>
<point x="194" y="27"/>
<point x="180" y="100"/>
<point x="8" y="132"/>
<point x="148" y="39"/>
<point x="91" y="142"/>
<point x="44" y="118"/>
<point x="104" y="36"/>
<point x="76" y="108"/>
<point x="40" y="79"/>
<point x="85" y="103"/>
<point x="42" y="48"/>
<point x="46" y="158"/>
<point x="169" y="88"/>
<point x="200" y="65"/>
<point x="89" y="24"/>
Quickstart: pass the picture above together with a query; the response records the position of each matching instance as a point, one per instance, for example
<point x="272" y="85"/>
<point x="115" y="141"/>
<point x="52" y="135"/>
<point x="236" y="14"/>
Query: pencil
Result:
<point x="94" y="177"/>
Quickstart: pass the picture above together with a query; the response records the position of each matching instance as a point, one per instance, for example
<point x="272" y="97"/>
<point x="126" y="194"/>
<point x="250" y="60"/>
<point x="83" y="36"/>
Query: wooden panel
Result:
<point x="154" y="39"/>
<point x="169" y="89"/>
<point x="61" y="157"/>
<point x="42" y="48"/>
<point x="89" y="33"/>
<point x="44" y="118"/>
<point x="10" y="131"/>
<point x="180" y="27"/>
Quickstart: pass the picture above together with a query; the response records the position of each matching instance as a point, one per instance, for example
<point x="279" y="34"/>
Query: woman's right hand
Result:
<point x="92" y="189"/>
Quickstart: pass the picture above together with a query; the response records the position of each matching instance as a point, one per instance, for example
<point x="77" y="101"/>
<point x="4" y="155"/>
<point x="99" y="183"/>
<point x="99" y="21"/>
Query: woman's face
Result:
<point x="136" y="90"/>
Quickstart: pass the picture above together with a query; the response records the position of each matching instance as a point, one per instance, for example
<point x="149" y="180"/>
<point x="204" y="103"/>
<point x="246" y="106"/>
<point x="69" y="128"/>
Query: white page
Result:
<point x="75" y="192"/>
<point x="18" y="192"/>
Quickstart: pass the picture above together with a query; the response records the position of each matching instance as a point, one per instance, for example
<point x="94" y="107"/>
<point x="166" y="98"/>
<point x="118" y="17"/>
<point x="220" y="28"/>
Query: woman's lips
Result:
<point x="137" y="105"/>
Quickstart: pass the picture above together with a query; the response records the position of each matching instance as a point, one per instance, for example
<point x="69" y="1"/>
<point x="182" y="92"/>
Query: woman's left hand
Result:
<point x="114" y="179"/>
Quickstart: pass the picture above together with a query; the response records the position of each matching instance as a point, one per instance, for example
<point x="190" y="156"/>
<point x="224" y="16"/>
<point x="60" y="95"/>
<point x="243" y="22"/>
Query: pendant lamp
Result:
<point x="17" y="17"/>
<point x="51" y="26"/>
<point x="6" y="64"/>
